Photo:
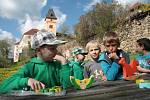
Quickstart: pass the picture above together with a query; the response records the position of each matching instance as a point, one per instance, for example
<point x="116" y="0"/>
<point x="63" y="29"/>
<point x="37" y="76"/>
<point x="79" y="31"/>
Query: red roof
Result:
<point x="31" y="32"/>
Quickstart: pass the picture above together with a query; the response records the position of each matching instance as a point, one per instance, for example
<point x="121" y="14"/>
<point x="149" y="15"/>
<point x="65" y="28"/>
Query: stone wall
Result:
<point x="133" y="30"/>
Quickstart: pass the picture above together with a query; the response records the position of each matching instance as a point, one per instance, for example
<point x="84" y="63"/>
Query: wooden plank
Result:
<point x="110" y="90"/>
<point x="134" y="94"/>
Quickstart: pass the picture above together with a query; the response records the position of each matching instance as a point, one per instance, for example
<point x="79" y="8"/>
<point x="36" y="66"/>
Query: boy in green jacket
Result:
<point x="77" y="63"/>
<point x="44" y="71"/>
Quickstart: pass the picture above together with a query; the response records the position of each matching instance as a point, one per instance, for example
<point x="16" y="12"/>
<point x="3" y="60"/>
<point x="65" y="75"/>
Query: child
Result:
<point x="44" y="71"/>
<point x="143" y="47"/>
<point x="77" y="63"/>
<point x="109" y="59"/>
<point x="92" y="67"/>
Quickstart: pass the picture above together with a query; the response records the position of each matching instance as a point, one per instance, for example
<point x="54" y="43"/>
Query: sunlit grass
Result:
<point x="7" y="72"/>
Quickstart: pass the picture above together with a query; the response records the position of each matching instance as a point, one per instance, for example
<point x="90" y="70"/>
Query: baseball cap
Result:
<point x="76" y="51"/>
<point x="44" y="37"/>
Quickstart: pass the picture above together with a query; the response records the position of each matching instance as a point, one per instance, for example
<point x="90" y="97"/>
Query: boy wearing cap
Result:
<point x="77" y="63"/>
<point x="44" y="71"/>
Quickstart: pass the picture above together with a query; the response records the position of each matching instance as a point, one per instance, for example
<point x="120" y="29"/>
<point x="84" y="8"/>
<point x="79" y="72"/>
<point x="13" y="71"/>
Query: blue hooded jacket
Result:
<point x="111" y="68"/>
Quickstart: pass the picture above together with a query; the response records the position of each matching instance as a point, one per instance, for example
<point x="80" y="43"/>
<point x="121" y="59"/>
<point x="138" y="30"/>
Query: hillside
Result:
<point x="136" y="26"/>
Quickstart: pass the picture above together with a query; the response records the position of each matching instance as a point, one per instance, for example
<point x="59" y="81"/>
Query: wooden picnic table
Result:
<point x="109" y="90"/>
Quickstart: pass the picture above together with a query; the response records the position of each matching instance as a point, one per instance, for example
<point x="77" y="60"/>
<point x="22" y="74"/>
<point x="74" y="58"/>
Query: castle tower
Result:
<point x="50" y="21"/>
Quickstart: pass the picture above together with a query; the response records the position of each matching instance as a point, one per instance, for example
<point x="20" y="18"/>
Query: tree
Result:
<point x="94" y="24"/>
<point x="4" y="52"/>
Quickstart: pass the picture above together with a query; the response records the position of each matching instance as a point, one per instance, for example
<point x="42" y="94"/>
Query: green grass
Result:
<point x="7" y="72"/>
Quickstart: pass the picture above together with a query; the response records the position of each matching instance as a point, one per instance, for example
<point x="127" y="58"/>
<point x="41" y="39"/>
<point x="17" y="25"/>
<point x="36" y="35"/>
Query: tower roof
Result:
<point x="51" y="14"/>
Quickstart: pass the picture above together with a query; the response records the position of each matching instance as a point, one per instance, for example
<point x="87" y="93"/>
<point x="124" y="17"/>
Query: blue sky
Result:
<point x="19" y="16"/>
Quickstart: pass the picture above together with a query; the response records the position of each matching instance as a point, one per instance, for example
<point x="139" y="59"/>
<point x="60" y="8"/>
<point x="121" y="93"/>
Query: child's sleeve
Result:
<point x="86" y="71"/>
<point x="65" y="73"/>
<point x="15" y="82"/>
<point x="110" y="71"/>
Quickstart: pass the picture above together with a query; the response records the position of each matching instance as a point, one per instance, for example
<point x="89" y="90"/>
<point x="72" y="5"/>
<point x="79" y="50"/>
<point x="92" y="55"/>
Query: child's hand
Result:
<point x="61" y="59"/>
<point x="113" y="56"/>
<point x="35" y="85"/>
<point x="104" y="78"/>
<point x="102" y="75"/>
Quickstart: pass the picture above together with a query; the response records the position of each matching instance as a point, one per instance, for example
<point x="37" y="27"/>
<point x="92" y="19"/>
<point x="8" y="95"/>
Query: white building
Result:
<point x="50" y="25"/>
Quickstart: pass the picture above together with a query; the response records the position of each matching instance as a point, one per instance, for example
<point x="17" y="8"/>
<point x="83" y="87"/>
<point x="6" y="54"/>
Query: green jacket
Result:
<point x="49" y="73"/>
<point x="77" y="69"/>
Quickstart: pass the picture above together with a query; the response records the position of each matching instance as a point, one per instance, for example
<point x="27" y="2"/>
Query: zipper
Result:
<point x="48" y="75"/>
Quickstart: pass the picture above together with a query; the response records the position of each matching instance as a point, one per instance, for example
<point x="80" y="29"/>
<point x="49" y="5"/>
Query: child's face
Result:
<point x="80" y="57"/>
<point x="94" y="52"/>
<point x="47" y="52"/>
<point x="111" y="47"/>
<point x="139" y="48"/>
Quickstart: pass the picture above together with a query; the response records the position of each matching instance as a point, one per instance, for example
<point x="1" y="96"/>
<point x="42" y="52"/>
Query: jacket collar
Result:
<point x="38" y="60"/>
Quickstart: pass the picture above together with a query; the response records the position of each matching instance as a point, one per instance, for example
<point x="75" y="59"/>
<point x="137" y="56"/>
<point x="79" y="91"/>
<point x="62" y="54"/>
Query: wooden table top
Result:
<point x="109" y="90"/>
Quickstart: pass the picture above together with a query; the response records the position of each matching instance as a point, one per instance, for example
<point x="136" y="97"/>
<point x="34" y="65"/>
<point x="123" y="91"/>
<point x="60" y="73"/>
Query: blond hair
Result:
<point x="92" y="43"/>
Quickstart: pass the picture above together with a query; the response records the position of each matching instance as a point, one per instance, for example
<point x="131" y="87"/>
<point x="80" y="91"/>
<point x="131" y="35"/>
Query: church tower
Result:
<point x="50" y="21"/>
